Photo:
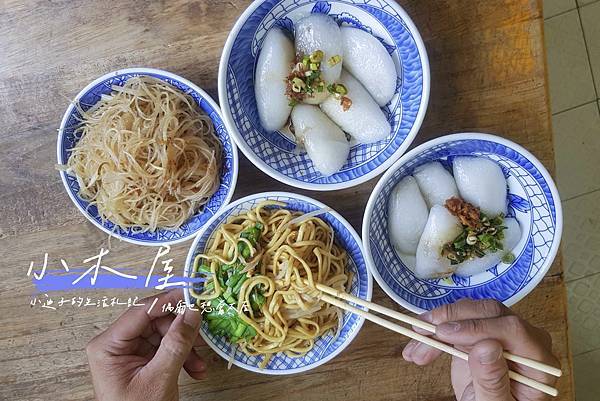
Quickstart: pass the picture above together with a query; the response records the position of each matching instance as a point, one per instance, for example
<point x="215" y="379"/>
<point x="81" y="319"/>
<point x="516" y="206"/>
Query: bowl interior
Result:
<point x="325" y="347"/>
<point x="275" y="152"/>
<point x="530" y="200"/>
<point x="68" y="139"/>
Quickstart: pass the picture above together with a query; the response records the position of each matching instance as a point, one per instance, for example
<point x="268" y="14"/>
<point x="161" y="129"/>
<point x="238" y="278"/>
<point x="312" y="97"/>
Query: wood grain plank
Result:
<point x="487" y="73"/>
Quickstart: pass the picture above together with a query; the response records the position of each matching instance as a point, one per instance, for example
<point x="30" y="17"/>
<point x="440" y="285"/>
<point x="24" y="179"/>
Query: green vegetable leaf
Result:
<point x="508" y="258"/>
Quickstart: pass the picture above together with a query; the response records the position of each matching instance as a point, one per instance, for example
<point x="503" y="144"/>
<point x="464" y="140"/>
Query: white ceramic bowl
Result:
<point x="326" y="347"/>
<point x="228" y="175"/>
<point x="532" y="199"/>
<point x="274" y="152"/>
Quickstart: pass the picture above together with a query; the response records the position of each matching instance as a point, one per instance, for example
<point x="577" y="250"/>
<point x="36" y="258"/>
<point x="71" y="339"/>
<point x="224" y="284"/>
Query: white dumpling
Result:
<point x="480" y="182"/>
<point x="320" y="32"/>
<point x="436" y="183"/>
<point x="407" y="215"/>
<point x="441" y="228"/>
<point x="367" y="59"/>
<point x="364" y="120"/>
<point x="512" y="235"/>
<point x="409" y="261"/>
<point x="272" y="68"/>
<point x="324" y="141"/>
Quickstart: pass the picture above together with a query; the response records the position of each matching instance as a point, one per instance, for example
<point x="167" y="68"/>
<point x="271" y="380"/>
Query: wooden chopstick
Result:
<point x="433" y="343"/>
<point x="551" y="370"/>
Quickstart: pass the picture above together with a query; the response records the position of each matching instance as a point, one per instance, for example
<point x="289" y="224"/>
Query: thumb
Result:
<point x="176" y="345"/>
<point x="489" y="372"/>
<point x="468" y="393"/>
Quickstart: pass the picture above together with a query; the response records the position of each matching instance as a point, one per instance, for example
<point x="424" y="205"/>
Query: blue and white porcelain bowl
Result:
<point x="326" y="347"/>
<point x="229" y="170"/>
<point x="532" y="199"/>
<point x="275" y="153"/>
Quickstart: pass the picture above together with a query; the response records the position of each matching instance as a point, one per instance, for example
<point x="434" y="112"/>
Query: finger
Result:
<point x="515" y="334"/>
<point x="422" y="354"/>
<point x="468" y="393"/>
<point x="426" y="317"/>
<point x="466" y="309"/>
<point x="134" y="322"/>
<point x="461" y="376"/>
<point x="158" y="328"/>
<point x="175" y="347"/>
<point x="489" y="372"/>
<point x="419" y="353"/>
<point x="194" y="365"/>
<point x="408" y="349"/>
<point x="199" y="342"/>
<point x="162" y="324"/>
<point x="144" y="348"/>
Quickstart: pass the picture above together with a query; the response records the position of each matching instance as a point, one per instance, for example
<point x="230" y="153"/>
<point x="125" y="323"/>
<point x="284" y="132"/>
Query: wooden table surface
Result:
<point x="487" y="74"/>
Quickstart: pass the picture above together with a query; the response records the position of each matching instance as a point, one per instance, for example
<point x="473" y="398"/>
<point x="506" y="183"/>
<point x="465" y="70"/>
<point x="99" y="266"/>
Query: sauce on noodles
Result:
<point x="276" y="308"/>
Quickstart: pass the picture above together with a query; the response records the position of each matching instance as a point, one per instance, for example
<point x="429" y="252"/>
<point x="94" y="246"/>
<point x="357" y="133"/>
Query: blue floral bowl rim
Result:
<point x="302" y="198"/>
<point x="256" y="161"/>
<point x="440" y="141"/>
<point x="143" y="70"/>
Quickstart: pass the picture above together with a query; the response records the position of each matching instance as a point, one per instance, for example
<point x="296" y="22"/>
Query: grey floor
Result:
<point x="572" y="34"/>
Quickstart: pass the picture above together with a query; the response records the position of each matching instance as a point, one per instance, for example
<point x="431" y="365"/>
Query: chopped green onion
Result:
<point x="483" y="236"/>
<point x="239" y="330"/>
<point x="238" y="285"/>
<point x="250" y="332"/>
<point x="333" y="60"/>
<point x="316" y="56"/>
<point x="341" y="89"/>
<point x="232" y="281"/>
<point x="209" y="286"/>
<point x="223" y="319"/>
<point x="298" y="82"/>
<point x="257" y="300"/>
<point x="243" y="249"/>
<point x="508" y="258"/>
<point x="204" y="268"/>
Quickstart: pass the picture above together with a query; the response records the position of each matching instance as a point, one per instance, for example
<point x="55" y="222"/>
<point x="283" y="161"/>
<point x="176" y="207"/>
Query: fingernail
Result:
<point x="192" y="318"/>
<point x="490" y="356"/>
<point x="408" y="349"/>
<point x="201" y="364"/>
<point x="201" y="368"/>
<point x="426" y="316"/>
<point x="448" y="328"/>
<point x="468" y="394"/>
<point x="419" y="351"/>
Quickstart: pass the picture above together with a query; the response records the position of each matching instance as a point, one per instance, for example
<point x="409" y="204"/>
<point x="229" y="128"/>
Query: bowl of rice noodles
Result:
<point x="145" y="156"/>
<point x="254" y="270"/>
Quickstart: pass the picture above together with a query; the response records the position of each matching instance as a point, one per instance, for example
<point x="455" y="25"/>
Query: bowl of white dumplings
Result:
<point x="323" y="95"/>
<point x="462" y="216"/>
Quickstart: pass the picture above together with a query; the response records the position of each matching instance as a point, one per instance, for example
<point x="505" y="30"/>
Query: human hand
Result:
<point x="485" y="329"/>
<point x="140" y="355"/>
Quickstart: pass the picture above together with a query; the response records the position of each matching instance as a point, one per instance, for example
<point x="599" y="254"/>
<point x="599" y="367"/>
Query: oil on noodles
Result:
<point x="148" y="157"/>
<point x="264" y="267"/>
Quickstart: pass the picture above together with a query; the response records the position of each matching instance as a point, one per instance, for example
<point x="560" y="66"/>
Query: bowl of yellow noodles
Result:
<point x="256" y="267"/>
<point x="145" y="156"/>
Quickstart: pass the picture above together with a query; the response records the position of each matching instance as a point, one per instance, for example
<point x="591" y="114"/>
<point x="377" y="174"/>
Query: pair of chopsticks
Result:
<point x="551" y="370"/>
